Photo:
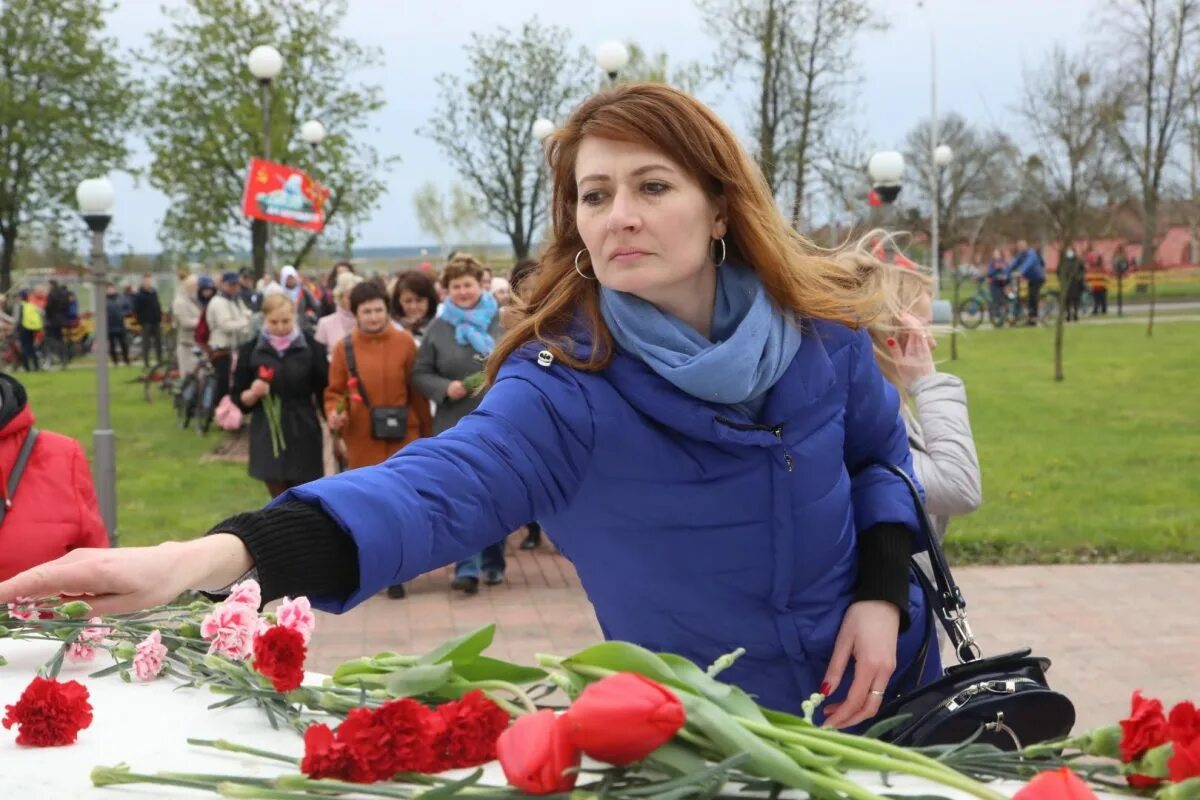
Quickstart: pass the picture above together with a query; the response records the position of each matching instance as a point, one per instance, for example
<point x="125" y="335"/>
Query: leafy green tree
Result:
<point x="65" y="105"/>
<point x="203" y="120"/>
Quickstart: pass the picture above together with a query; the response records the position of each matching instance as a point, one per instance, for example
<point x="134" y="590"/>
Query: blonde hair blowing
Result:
<point x="275" y="301"/>
<point x="345" y="282"/>
<point x="799" y="276"/>
<point x="899" y="290"/>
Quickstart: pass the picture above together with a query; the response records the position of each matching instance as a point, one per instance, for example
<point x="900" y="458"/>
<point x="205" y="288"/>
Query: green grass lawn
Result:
<point x="164" y="488"/>
<point x="1104" y="466"/>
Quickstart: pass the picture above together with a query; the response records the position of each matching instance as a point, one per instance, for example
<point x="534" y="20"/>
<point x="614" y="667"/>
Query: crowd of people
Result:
<point x="697" y="403"/>
<point x="1076" y="273"/>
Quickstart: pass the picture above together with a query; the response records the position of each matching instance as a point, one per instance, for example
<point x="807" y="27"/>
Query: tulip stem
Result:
<point x="233" y="747"/>
<point x="504" y="686"/>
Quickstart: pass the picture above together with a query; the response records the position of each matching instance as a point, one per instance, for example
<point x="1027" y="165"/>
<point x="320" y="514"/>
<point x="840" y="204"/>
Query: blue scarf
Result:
<point x="753" y="342"/>
<point x="471" y="324"/>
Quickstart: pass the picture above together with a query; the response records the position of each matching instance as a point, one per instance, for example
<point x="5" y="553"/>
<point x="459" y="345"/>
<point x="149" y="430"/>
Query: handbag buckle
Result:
<point x="966" y="648"/>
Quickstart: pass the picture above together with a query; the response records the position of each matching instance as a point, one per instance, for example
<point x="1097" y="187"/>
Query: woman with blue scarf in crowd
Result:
<point x="688" y="399"/>
<point x="456" y="346"/>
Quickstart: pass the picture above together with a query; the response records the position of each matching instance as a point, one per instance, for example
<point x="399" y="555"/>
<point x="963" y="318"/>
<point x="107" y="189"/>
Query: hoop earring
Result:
<point x="577" y="269"/>
<point x="723" y="252"/>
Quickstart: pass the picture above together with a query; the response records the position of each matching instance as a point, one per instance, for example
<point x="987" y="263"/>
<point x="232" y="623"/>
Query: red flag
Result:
<point x="280" y="194"/>
<point x="873" y="199"/>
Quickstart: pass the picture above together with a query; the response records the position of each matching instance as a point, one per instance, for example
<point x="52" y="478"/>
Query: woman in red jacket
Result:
<point x="52" y="508"/>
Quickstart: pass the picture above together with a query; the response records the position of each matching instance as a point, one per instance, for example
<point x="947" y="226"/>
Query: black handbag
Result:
<point x="1005" y="700"/>
<point x="388" y="423"/>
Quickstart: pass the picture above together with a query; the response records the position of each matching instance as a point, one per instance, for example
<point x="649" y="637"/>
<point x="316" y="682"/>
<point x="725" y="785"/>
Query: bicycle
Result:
<point x="196" y="402"/>
<point x="972" y="311"/>
<point x="1049" y="305"/>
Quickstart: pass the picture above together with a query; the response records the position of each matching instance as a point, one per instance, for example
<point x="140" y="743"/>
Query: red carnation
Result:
<point x="1183" y="723"/>
<point x="396" y="737"/>
<point x="50" y="713"/>
<point x="279" y="655"/>
<point x="1146" y="728"/>
<point x="352" y="383"/>
<point x="1185" y="763"/>
<point x="473" y="724"/>
<point x="266" y="373"/>
<point x="324" y="756"/>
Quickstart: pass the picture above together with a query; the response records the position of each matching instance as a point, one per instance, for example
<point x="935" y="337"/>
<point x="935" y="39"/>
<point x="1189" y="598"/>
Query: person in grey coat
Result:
<point x="453" y="350"/>
<point x="935" y="403"/>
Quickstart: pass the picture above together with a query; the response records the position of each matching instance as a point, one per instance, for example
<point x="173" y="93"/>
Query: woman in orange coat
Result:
<point x="384" y="358"/>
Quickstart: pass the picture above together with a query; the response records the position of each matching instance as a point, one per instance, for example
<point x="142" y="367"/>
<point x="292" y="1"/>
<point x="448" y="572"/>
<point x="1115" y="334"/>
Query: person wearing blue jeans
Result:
<point x="489" y="561"/>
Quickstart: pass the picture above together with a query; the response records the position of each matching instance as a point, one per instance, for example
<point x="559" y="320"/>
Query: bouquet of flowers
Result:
<point x="272" y="407"/>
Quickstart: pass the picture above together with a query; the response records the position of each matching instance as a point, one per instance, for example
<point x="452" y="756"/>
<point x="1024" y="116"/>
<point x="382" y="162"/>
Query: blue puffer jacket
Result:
<point x="693" y="529"/>
<point x="1030" y="265"/>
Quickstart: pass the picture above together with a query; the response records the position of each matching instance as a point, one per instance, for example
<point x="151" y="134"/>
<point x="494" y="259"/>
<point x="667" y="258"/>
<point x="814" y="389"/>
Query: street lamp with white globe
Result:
<point x="542" y="129"/>
<point x="265" y="64"/>
<point x="313" y="132"/>
<point x="886" y="168"/>
<point x="612" y="57"/>
<point x="96" y="198"/>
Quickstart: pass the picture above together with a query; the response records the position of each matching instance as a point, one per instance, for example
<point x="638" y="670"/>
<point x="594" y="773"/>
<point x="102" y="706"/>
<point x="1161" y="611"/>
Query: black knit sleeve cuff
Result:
<point x="297" y="549"/>
<point x="884" y="551"/>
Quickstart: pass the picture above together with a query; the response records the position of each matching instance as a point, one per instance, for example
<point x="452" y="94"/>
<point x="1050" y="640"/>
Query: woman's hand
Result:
<point x="912" y="350"/>
<point x="119" y="580"/>
<point x="456" y="390"/>
<point x="869" y="632"/>
<point x="336" y="421"/>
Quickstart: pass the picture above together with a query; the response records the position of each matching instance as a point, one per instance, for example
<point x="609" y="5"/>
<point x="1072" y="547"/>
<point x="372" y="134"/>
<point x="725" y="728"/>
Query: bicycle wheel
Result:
<point x="1087" y="304"/>
<point x="185" y="401"/>
<point x="970" y="313"/>
<point x="206" y="408"/>
<point x="1051" y="308"/>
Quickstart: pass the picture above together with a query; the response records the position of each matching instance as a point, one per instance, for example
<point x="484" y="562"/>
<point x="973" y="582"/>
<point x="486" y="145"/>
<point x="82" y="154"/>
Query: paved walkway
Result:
<point x="1109" y="629"/>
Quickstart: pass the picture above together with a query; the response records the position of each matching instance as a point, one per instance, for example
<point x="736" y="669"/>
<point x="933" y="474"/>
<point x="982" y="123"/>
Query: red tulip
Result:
<point x="534" y="753"/>
<point x="624" y="718"/>
<point x="1062" y="784"/>
<point x="266" y="373"/>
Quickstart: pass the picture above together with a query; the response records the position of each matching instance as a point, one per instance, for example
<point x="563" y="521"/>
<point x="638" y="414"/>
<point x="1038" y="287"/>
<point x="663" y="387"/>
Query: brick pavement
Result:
<point x="1108" y="628"/>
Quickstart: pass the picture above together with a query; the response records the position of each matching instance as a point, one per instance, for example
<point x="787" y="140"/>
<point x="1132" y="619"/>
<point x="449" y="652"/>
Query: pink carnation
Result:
<point x="298" y="615"/>
<point x="81" y="650"/>
<point x="24" y="609"/>
<point x="247" y="592"/>
<point x="149" y="659"/>
<point x="230" y="629"/>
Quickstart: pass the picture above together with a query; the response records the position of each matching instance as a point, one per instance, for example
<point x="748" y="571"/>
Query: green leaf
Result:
<point x="676" y="758"/>
<point x="492" y="669"/>
<point x="731" y="698"/>
<point x="765" y="759"/>
<point x="626" y="657"/>
<point x="413" y="681"/>
<point x="463" y="648"/>
<point x="885" y="725"/>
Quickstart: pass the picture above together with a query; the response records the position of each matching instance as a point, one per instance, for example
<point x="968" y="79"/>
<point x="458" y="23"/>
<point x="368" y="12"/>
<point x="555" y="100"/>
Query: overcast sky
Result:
<point x="983" y="48"/>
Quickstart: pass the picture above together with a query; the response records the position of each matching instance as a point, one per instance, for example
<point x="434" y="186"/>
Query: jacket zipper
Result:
<point x="776" y="431"/>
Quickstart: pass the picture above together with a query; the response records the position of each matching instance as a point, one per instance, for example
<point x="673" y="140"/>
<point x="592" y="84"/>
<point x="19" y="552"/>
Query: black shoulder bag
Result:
<point x="14" y="477"/>
<point x="1005" y="699"/>
<point x="388" y="423"/>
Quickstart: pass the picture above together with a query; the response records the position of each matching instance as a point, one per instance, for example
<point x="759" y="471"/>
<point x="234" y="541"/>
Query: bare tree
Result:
<point x="799" y="56"/>
<point x="443" y="215"/>
<point x="1157" y="43"/>
<point x="1069" y="115"/>
<point x="655" y="68"/>
<point x="981" y="179"/>
<point x="485" y="121"/>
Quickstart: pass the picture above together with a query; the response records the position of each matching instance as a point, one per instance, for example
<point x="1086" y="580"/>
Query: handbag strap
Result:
<point x="14" y="477"/>
<point x="352" y="366"/>
<point x="949" y="605"/>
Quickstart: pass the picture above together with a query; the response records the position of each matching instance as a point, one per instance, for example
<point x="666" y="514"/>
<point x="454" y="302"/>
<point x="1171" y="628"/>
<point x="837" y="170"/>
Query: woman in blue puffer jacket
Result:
<point x="687" y="402"/>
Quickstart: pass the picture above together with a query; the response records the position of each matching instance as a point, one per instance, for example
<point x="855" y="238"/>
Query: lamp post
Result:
<point x="886" y="168"/>
<point x="612" y="56"/>
<point x="313" y="132"/>
<point x="265" y="64"/>
<point x="96" y="197"/>
<point x="942" y="156"/>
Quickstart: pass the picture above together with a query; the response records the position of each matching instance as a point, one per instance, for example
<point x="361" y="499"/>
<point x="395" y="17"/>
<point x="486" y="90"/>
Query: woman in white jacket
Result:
<point x="934" y="404"/>
<point x="186" y="311"/>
